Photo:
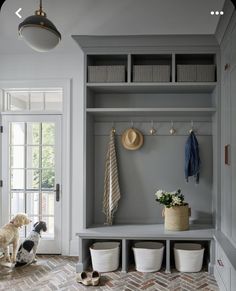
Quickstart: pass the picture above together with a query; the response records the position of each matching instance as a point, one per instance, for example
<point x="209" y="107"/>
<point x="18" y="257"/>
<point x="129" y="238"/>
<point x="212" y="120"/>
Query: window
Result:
<point x="32" y="100"/>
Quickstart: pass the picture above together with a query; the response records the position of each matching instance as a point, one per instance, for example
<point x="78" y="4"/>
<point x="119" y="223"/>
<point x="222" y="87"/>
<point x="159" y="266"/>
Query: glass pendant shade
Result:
<point x="39" y="32"/>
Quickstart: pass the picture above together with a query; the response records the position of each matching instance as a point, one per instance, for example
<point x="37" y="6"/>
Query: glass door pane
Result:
<point x="32" y="171"/>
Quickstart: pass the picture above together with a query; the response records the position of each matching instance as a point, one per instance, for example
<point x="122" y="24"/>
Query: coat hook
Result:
<point x="113" y="127"/>
<point x="172" y="130"/>
<point x="152" y="129"/>
<point x="192" y="127"/>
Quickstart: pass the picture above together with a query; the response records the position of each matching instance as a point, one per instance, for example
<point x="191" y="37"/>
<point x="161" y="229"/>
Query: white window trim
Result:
<point x="65" y="84"/>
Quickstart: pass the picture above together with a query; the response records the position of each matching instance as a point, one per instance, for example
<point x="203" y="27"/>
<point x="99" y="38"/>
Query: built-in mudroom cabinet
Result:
<point x="176" y="97"/>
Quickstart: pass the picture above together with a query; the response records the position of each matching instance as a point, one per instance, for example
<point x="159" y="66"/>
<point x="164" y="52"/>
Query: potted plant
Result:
<point x="176" y="211"/>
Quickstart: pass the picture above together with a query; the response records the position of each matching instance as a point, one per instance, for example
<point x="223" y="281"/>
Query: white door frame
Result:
<point x="48" y="246"/>
<point x="65" y="84"/>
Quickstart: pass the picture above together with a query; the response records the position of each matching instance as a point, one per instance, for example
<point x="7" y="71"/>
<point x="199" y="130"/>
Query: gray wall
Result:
<point x="158" y="164"/>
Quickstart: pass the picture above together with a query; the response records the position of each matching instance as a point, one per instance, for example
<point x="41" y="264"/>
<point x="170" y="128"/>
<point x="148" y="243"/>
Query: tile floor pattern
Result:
<point x="58" y="273"/>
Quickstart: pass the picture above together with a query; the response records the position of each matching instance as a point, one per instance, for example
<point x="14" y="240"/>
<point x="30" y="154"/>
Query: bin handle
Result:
<point x="220" y="263"/>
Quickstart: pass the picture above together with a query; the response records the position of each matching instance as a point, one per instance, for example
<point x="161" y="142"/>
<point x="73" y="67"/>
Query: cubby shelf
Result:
<point x="152" y="111"/>
<point x="126" y="234"/>
<point x="174" y="87"/>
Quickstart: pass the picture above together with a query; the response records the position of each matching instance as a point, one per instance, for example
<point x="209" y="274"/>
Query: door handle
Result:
<point x="57" y="191"/>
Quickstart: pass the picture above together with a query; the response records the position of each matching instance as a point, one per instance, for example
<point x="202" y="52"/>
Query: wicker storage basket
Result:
<point x="186" y="73"/>
<point x="161" y="73"/>
<point x="206" y="73"/>
<point x="106" y="74"/>
<point x="149" y="73"/>
<point x="148" y="256"/>
<point x="142" y="73"/>
<point x="105" y="256"/>
<point x="97" y="74"/>
<point x="177" y="217"/>
<point x="115" y="74"/>
<point x="188" y="257"/>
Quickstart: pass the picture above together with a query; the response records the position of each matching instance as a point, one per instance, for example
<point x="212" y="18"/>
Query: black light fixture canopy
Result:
<point x="39" y="32"/>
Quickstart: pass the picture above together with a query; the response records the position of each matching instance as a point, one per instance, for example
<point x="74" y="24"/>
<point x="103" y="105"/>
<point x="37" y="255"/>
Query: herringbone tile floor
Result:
<point x="58" y="273"/>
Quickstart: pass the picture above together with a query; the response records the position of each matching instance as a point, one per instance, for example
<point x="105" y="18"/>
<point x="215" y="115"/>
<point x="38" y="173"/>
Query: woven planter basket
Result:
<point x="177" y="217"/>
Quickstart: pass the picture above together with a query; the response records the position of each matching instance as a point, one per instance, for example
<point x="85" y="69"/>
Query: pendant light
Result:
<point x="39" y="32"/>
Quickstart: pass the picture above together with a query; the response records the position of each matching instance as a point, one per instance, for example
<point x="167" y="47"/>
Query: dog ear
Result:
<point x="17" y="220"/>
<point x="44" y="226"/>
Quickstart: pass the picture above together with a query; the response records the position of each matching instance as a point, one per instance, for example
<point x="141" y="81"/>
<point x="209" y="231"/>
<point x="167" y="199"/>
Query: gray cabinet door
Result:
<point x="233" y="146"/>
<point x="225" y="139"/>
<point x="233" y="129"/>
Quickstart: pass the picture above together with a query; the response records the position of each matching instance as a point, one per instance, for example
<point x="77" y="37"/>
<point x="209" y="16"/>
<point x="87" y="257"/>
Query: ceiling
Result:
<point x="110" y="17"/>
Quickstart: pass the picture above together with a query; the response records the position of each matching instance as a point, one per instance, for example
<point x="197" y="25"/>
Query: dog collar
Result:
<point x="14" y="224"/>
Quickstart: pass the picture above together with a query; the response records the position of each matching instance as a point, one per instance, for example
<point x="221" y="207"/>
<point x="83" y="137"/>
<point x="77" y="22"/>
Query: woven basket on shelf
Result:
<point x="177" y="217"/>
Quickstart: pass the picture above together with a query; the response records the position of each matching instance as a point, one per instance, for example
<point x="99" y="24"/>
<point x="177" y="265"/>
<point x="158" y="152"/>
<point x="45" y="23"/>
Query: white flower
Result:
<point x="159" y="194"/>
<point x="176" y="200"/>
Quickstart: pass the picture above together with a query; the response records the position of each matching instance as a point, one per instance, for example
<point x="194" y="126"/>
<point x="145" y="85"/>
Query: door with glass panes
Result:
<point x="31" y="173"/>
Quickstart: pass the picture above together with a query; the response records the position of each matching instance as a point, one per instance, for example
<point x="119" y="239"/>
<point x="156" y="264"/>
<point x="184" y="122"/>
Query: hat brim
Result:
<point x="132" y="147"/>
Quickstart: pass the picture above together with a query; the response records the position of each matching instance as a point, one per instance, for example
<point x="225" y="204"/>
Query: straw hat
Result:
<point x="132" y="139"/>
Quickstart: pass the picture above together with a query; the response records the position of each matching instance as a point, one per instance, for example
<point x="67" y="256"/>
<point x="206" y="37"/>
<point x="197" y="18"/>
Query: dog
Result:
<point x="9" y="234"/>
<point x="27" y="250"/>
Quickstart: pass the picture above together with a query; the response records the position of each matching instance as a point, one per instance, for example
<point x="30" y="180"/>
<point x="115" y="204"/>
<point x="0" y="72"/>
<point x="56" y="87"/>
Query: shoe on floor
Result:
<point x="95" y="277"/>
<point x="84" y="279"/>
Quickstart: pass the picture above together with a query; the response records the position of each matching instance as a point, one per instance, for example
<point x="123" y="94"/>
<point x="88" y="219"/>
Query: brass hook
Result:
<point x="192" y="128"/>
<point x="113" y="127"/>
<point x="152" y="130"/>
<point x="172" y="130"/>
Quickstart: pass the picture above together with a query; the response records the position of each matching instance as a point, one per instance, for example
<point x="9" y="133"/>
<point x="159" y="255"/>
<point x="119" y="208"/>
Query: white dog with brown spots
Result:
<point x="9" y="234"/>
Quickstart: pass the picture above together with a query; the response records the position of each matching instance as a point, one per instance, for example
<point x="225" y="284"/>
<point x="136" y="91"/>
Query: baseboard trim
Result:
<point x="81" y="266"/>
<point x="219" y="280"/>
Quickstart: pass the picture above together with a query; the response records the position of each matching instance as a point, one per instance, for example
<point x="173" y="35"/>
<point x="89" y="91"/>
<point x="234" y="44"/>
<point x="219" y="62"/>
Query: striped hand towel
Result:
<point x="111" y="195"/>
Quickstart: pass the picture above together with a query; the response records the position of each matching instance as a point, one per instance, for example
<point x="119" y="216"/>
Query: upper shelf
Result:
<point x="172" y="87"/>
<point x="152" y="111"/>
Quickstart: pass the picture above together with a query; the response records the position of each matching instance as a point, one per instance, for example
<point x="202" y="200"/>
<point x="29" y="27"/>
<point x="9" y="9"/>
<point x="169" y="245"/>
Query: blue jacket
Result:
<point x="192" y="158"/>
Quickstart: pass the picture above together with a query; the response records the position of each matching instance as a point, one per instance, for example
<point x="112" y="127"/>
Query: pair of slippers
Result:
<point x="88" y="280"/>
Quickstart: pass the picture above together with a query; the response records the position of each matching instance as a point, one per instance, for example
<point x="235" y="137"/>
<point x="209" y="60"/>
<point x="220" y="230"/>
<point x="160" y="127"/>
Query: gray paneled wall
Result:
<point x="158" y="164"/>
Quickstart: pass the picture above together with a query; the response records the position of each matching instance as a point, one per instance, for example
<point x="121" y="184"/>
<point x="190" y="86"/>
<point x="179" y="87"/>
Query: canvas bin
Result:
<point x="148" y="256"/>
<point x="188" y="257"/>
<point x="105" y="256"/>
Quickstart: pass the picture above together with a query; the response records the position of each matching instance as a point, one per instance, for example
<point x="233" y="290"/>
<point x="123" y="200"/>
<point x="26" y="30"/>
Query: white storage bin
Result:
<point x="161" y="73"/>
<point x="148" y="256"/>
<point x="142" y="73"/>
<point x="188" y="257"/>
<point x="206" y="73"/>
<point x="105" y="256"/>
<point x="186" y="73"/>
